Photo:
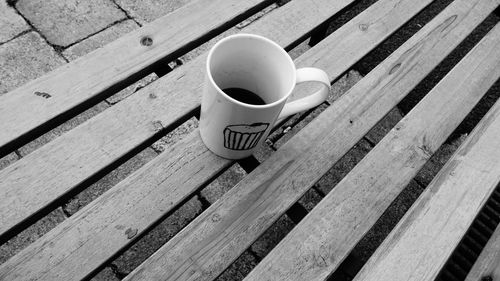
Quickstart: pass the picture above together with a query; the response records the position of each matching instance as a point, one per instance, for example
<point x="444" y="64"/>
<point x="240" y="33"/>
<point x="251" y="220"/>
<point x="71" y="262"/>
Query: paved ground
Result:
<point x="37" y="36"/>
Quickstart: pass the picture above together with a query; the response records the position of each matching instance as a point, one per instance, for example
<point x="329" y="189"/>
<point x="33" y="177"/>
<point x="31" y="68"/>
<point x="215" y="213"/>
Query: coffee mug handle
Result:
<point x="307" y="74"/>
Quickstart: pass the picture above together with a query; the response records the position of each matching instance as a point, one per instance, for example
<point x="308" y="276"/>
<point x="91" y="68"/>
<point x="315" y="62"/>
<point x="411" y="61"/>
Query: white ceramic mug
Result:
<point x="234" y="129"/>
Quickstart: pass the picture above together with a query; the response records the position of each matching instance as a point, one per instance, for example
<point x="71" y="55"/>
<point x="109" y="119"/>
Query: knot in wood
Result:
<point x="131" y="233"/>
<point x="363" y="27"/>
<point x="394" y="68"/>
<point x="487" y="278"/>
<point x="216" y="218"/>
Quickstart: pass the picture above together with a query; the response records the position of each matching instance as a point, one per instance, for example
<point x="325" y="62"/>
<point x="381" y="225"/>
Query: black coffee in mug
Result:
<point x="244" y="96"/>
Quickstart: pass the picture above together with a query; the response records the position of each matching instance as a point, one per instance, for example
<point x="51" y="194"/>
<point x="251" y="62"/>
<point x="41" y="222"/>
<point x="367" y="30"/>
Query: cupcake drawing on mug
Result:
<point x="243" y="137"/>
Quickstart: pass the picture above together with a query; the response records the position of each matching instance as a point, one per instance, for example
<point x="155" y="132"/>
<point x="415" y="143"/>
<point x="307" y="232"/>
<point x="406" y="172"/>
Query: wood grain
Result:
<point x="118" y="63"/>
<point x="48" y="173"/>
<point x="488" y="262"/>
<point x="425" y="238"/>
<point x="323" y="239"/>
<point x="219" y="235"/>
<point x="87" y="239"/>
<point x="28" y="262"/>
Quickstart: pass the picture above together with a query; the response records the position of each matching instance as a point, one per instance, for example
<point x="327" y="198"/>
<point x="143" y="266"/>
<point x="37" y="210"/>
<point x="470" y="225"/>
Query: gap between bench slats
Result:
<point x="84" y="241"/>
<point x="315" y="247"/>
<point x="42" y="177"/>
<point x="215" y="239"/>
<point x="97" y="74"/>
<point x="109" y="248"/>
<point x="424" y="239"/>
<point x="488" y="263"/>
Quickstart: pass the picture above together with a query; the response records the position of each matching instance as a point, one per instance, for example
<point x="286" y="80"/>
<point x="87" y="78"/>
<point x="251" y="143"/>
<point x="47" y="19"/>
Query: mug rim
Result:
<point x="254" y="36"/>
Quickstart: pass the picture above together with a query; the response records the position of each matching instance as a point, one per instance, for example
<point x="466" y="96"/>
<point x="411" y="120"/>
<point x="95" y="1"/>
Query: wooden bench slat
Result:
<point x="424" y="239"/>
<point x="86" y="240"/>
<point x="315" y="247"/>
<point x="66" y="232"/>
<point x="21" y="111"/>
<point x="488" y="262"/>
<point x="219" y="235"/>
<point x="51" y="171"/>
<point x="48" y="173"/>
<point x="360" y="36"/>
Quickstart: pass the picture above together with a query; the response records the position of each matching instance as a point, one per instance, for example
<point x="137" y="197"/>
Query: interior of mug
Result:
<point x="252" y="63"/>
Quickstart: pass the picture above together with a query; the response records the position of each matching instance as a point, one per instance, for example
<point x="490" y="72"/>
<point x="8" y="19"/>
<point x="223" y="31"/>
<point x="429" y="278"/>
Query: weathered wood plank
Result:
<point x="488" y="263"/>
<point x="426" y="236"/>
<point x="48" y="173"/>
<point x="98" y="73"/>
<point x="83" y="242"/>
<point x="220" y="234"/>
<point x="315" y="247"/>
<point x="106" y="248"/>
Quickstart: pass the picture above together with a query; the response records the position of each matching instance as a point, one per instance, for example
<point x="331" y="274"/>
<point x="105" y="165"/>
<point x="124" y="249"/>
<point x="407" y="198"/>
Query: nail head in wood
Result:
<point x="146" y="41"/>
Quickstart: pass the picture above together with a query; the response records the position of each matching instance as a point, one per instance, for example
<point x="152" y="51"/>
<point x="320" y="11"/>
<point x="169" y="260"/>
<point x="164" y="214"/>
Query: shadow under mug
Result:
<point x="233" y="129"/>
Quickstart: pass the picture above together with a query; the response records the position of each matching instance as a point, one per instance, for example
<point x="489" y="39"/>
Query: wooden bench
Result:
<point x="416" y="249"/>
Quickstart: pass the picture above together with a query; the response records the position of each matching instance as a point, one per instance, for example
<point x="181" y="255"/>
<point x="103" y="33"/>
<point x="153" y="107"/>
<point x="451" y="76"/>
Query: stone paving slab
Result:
<point x="25" y="58"/>
<point x="343" y="167"/>
<point x="239" y="269"/>
<point x="100" y="39"/>
<point x="61" y="129"/>
<point x="339" y="276"/>
<point x="343" y="84"/>
<point x="148" y="244"/>
<point x="289" y="130"/>
<point x="387" y="221"/>
<point x="264" y="151"/>
<point x="30" y="234"/>
<point x="310" y="199"/>
<point x="66" y="22"/>
<point x="106" y="274"/>
<point x="145" y="11"/>
<point x="108" y="181"/>
<point x="176" y="135"/>
<point x="299" y="49"/>
<point x="272" y="236"/>
<point x="11" y="24"/>
<point x="378" y="132"/>
<point x="223" y="183"/>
